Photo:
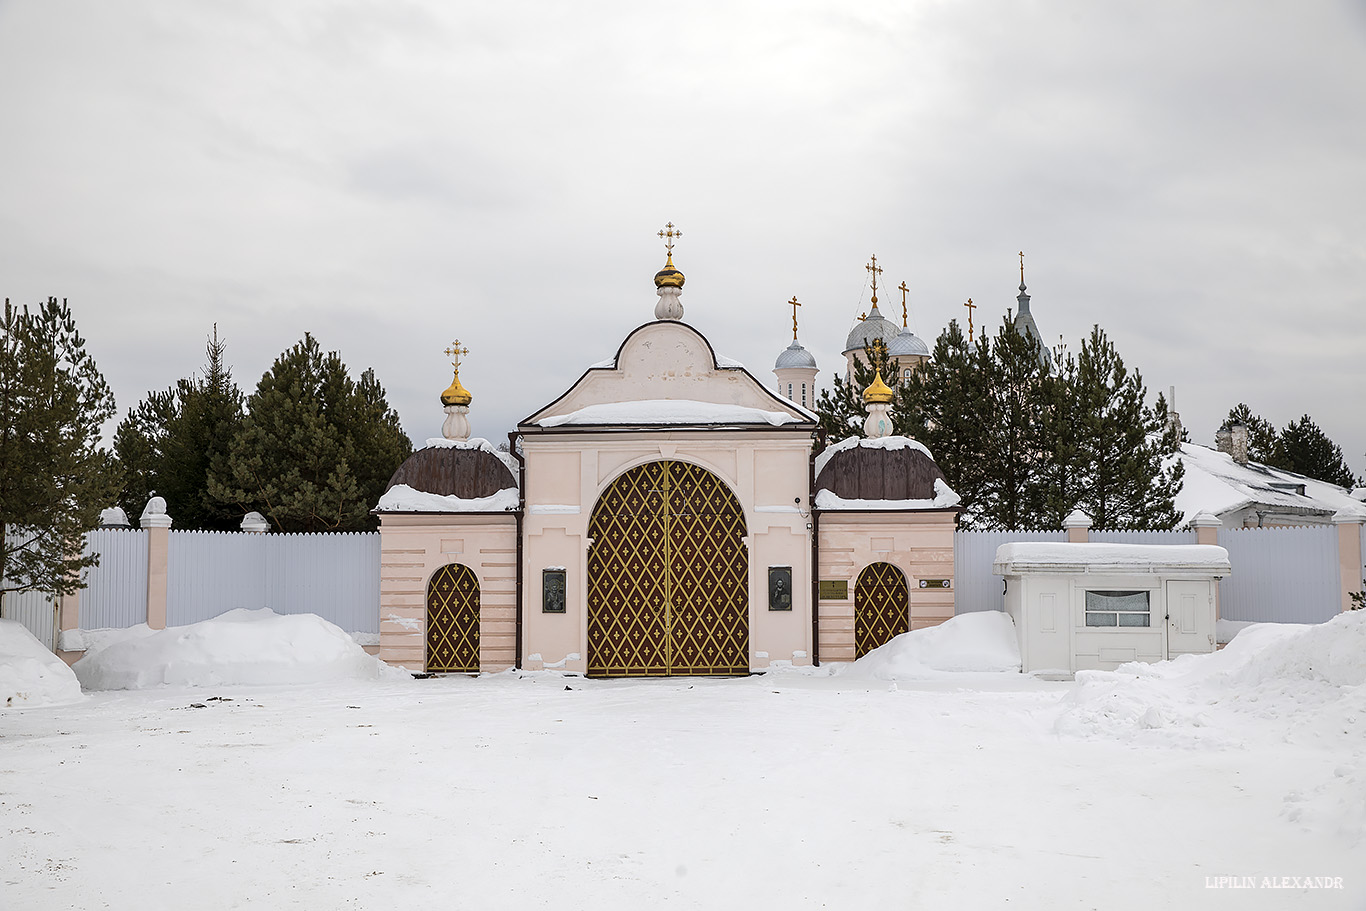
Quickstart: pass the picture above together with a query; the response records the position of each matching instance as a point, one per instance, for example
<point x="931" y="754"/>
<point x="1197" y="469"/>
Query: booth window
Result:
<point x="1117" y="608"/>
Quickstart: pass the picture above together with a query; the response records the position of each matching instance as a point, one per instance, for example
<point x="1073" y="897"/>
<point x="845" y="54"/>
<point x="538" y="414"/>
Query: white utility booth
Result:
<point x="1083" y="606"/>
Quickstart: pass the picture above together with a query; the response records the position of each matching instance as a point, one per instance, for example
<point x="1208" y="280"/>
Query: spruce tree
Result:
<point x="1121" y="443"/>
<point x="1305" y="449"/>
<point x="946" y="405"/>
<point x="169" y="442"/>
<point x="1016" y="382"/>
<point x="54" y="476"/>
<point x="316" y="449"/>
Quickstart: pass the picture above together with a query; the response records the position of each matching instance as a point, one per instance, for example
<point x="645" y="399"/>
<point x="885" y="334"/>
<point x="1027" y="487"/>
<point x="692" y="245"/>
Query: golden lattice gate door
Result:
<point x="453" y="620"/>
<point x="668" y="576"/>
<point x="881" y="607"/>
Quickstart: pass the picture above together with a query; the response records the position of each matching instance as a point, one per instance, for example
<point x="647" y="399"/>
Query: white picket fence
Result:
<point x="1285" y="575"/>
<point x="335" y="576"/>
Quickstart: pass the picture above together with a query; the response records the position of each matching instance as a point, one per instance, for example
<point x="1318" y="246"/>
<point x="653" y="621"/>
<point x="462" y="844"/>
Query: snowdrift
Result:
<point x="239" y="647"/>
<point x="1290" y="674"/>
<point x="982" y="641"/>
<point x="30" y="675"/>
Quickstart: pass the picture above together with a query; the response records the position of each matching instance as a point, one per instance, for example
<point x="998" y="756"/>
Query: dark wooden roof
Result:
<point x="880" y="474"/>
<point x="448" y="471"/>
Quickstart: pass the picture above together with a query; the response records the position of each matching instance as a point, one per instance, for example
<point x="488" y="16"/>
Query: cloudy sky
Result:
<point x="391" y="175"/>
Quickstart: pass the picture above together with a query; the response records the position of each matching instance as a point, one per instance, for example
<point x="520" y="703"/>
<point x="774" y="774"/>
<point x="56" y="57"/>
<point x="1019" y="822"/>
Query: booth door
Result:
<point x="882" y="607"/>
<point x="1190" y="618"/>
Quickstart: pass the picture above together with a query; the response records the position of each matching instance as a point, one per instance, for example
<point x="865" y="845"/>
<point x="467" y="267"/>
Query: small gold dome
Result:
<point x="455" y="393"/>
<point x="879" y="392"/>
<point x="669" y="276"/>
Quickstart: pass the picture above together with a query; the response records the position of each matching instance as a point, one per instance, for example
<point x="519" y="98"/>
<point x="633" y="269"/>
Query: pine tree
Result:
<point x="54" y="477"/>
<point x="316" y="449"/>
<point x="1061" y="474"/>
<point x="1121" y="444"/>
<point x="1305" y="449"/>
<point x="169" y="442"/>
<point x="1016" y="449"/>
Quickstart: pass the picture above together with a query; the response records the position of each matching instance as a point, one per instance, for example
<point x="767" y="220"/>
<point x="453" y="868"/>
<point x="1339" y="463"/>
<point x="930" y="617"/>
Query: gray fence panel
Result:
<point x="209" y="572"/>
<point x="115" y="596"/>
<point x="1281" y="575"/>
<point x="335" y="576"/>
<point x="976" y="587"/>
<point x="1143" y="537"/>
<point x="36" y="611"/>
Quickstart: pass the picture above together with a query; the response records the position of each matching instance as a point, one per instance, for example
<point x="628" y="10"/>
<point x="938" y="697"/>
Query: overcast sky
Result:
<point x="392" y="175"/>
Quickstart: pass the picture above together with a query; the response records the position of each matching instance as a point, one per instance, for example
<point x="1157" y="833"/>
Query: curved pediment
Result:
<point x="666" y="373"/>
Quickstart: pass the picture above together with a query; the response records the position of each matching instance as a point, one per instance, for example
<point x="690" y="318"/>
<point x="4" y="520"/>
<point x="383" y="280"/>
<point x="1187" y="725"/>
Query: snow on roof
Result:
<point x="402" y="498"/>
<point x="476" y="443"/>
<point x="668" y="411"/>
<point x="1065" y="556"/>
<point x="944" y="497"/>
<point x="892" y="442"/>
<point x="1214" y="482"/>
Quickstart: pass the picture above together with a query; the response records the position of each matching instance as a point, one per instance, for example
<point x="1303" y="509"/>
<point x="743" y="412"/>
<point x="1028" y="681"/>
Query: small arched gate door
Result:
<point x="668" y="576"/>
<point x="882" y="607"/>
<point x="453" y="620"/>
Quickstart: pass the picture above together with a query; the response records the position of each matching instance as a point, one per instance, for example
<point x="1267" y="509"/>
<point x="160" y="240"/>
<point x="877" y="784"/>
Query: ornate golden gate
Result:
<point x="453" y="620"/>
<point x="881" y="607"/>
<point x="668" y="576"/>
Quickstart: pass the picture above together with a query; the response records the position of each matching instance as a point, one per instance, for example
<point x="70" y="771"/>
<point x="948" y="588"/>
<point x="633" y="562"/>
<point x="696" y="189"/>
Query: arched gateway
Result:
<point x="453" y="620"/>
<point x="882" y="607"/>
<point x="668" y="576"/>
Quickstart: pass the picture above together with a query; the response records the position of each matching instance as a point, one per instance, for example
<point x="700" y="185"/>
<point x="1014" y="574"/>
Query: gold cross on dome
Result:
<point x="903" y="289"/>
<point x="456" y="351"/>
<point x="795" y="304"/>
<point x="1022" y="267"/>
<point x="669" y="234"/>
<point x="971" y="307"/>
<point x="875" y="270"/>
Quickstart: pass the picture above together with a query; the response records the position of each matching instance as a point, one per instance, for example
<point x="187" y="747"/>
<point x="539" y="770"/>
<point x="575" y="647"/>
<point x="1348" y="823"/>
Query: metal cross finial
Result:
<point x="875" y="270"/>
<point x="903" y="289"/>
<point x="795" y="304"/>
<point x="971" y="307"/>
<point x="1022" y="267"/>
<point x="456" y="351"/>
<point x="669" y="234"/>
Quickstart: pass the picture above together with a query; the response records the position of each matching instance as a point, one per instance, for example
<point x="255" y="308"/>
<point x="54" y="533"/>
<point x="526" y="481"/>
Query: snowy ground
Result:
<point x="790" y="790"/>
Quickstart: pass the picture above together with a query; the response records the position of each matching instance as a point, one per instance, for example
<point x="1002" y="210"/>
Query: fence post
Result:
<point x="1078" y="526"/>
<point x="1207" y="525"/>
<point x="158" y="525"/>
<point x="1349" y="553"/>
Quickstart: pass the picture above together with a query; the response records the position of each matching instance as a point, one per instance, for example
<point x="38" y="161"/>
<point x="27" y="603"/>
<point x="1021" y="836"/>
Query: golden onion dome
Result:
<point x="879" y="392"/>
<point x="669" y="277"/>
<point x="455" y="393"/>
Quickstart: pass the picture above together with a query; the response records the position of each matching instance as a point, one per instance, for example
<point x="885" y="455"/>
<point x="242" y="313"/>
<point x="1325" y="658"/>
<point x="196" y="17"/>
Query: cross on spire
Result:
<point x="971" y="307"/>
<point x="669" y="234"/>
<point x="875" y="270"/>
<point x="455" y="350"/>
<point x="795" y="304"/>
<point x="1022" y="268"/>
<point x="903" y="289"/>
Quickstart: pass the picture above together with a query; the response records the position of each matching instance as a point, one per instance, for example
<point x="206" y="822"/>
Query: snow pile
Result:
<point x="891" y="442"/>
<point x="30" y="675"/>
<point x="252" y="647"/>
<point x="981" y="641"/>
<point x="944" y="497"/>
<point x="403" y="498"/>
<point x="668" y="411"/>
<point x="1281" y="676"/>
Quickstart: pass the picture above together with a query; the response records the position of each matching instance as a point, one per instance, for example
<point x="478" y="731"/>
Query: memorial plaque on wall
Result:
<point x="834" y="590"/>
<point x="936" y="583"/>
<point x="552" y="591"/>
